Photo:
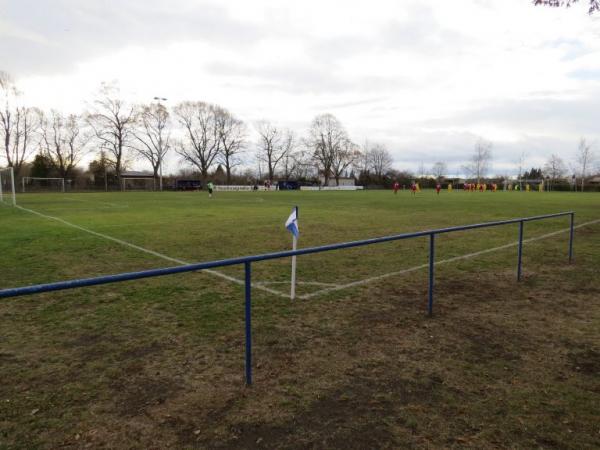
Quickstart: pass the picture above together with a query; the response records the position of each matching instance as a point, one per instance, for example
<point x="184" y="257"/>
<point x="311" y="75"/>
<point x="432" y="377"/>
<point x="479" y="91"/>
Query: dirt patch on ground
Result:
<point x="141" y="351"/>
<point x="489" y="342"/>
<point x="134" y="396"/>
<point x="585" y="361"/>
<point x="93" y="346"/>
<point x="364" y="413"/>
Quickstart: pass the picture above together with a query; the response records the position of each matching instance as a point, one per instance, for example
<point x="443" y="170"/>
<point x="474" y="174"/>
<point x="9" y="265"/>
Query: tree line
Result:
<point x="203" y="135"/>
<point x="207" y="136"/>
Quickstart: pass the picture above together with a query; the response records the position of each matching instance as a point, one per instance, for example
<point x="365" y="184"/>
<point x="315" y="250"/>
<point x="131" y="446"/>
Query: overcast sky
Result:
<point x="427" y="77"/>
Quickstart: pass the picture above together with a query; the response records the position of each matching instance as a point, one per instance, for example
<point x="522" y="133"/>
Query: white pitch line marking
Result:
<point x="152" y="252"/>
<point x="443" y="261"/>
<point x="307" y="283"/>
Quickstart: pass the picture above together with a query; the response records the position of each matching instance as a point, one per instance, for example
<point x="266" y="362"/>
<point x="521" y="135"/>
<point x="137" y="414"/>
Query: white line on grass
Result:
<point x="152" y="252"/>
<point x="305" y="283"/>
<point x="443" y="261"/>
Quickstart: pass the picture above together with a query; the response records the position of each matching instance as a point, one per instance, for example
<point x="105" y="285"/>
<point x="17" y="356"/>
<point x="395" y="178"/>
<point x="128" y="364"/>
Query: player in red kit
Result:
<point x="396" y="187"/>
<point x="413" y="188"/>
<point x="438" y="188"/>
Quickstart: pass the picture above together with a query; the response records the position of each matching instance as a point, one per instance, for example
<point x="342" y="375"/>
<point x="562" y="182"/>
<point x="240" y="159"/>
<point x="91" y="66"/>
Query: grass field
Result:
<point x="354" y="362"/>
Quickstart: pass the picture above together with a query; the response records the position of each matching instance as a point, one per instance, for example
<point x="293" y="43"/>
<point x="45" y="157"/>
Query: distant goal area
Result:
<point x="42" y="184"/>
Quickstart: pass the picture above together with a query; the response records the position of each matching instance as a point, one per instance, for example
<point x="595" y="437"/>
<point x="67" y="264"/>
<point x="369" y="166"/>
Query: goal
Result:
<point x="40" y="184"/>
<point x="7" y="186"/>
<point x="139" y="184"/>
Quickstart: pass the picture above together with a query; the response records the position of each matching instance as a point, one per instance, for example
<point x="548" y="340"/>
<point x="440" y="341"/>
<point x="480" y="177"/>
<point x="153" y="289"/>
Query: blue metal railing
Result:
<point x="248" y="260"/>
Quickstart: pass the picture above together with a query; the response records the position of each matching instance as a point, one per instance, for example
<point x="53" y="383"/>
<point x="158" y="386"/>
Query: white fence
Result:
<point x="243" y="188"/>
<point x="331" y="188"/>
<point x="233" y="188"/>
<point x="274" y="188"/>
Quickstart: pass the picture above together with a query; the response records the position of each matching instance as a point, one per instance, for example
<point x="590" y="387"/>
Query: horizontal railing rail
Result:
<point x="248" y="260"/>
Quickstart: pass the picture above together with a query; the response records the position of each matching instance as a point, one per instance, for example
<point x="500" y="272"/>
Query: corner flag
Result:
<point x="292" y="225"/>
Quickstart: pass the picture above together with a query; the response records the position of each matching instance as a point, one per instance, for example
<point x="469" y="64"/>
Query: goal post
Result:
<point x="7" y="186"/>
<point x="42" y="183"/>
<point x="138" y="183"/>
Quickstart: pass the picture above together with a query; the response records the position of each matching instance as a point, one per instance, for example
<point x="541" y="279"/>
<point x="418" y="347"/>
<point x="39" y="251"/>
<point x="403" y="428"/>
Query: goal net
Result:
<point x="39" y="184"/>
<point x="139" y="184"/>
<point x="7" y="186"/>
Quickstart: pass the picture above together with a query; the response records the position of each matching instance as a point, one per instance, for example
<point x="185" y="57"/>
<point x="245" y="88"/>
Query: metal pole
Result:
<point x="431" y="270"/>
<point x="160" y="182"/>
<point x="571" y="235"/>
<point x="12" y="184"/>
<point x="519" y="264"/>
<point x="248" y="286"/>
<point x="293" y="286"/>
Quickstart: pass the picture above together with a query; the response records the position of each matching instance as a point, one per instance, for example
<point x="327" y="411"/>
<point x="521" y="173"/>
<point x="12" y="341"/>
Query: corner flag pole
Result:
<point x="294" y="246"/>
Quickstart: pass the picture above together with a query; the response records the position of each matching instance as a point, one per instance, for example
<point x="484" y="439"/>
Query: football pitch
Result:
<point x="354" y="359"/>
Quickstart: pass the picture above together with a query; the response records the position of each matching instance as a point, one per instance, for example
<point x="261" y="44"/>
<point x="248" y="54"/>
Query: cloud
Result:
<point x="427" y="78"/>
<point x="54" y="36"/>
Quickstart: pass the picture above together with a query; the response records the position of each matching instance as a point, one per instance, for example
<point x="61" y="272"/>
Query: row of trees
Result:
<point x="203" y="135"/>
<point x="206" y="136"/>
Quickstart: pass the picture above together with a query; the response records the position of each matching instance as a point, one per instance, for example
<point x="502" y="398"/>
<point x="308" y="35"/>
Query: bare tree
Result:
<point x="274" y="144"/>
<point x="380" y="160"/>
<point x="439" y="169"/>
<point x="202" y="135"/>
<point x="62" y="141"/>
<point x="326" y="137"/>
<point x="555" y="168"/>
<point x="152" y="135"/>
<point x="481" y="160"/>
<point x="112" y="121"/>
<point x="303" y="165"/>
<point x="18" y="125"/>
<point x="232" y="132"/>
<point x="594" y="4"/>
<point x="290" y="165"/>
<point x="364" y="162"/>
<point x="346" y="154"/>
<point x="585" y="158"/>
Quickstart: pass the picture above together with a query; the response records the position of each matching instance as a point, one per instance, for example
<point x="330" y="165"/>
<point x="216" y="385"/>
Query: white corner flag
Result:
<point x="292" y="225"/>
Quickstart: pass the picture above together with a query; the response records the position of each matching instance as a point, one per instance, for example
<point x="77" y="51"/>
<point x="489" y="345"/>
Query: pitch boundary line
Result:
<point x="443" y="261"/>
<point x="152" y="252"/>
<point x="306" y="283"/>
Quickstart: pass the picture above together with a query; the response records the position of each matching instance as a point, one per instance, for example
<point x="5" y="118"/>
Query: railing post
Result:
<point x="431" y="269"/>
<point x="520" y="254"/>
<point x="571" y="235"/>
<point x="248" y="289"/>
